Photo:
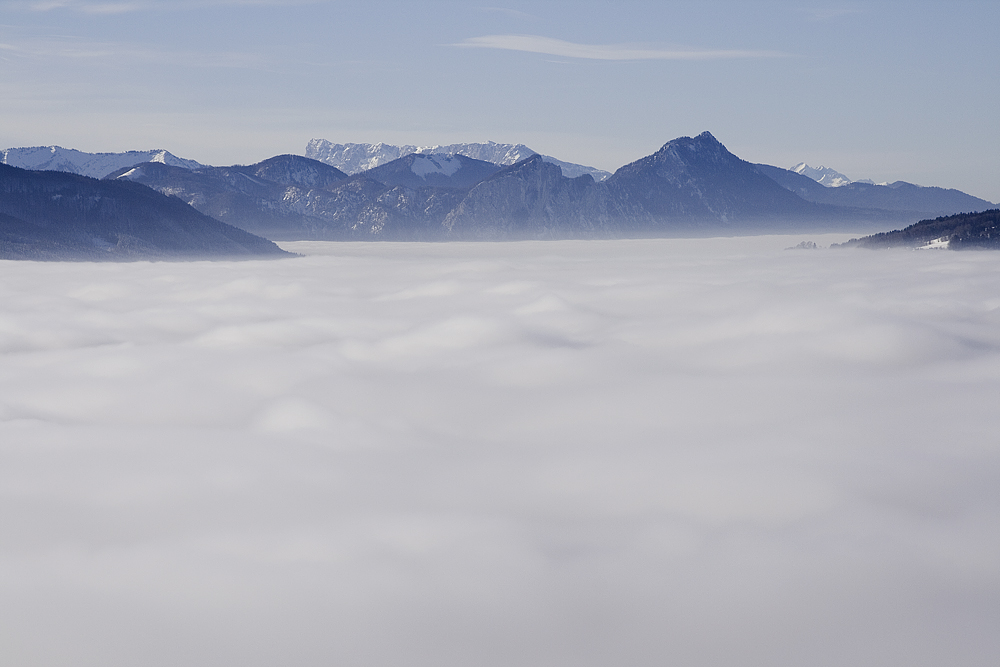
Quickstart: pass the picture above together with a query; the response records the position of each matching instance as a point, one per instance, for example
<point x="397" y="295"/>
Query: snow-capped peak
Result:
<point x="822" y="175"/>
<point x="355" y="158"/>
<point x="95" y="165"/>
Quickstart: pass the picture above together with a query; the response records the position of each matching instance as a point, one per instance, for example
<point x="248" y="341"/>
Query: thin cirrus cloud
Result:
<point x="558" y="47"/>
<point x="68" y="50"/>
<point x="87" y="7"/>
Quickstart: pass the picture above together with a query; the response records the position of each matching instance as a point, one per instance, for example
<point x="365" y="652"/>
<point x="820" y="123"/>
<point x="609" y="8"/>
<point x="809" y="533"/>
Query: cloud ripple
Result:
<point x="696" y="452"/>
<point x="558" y="47"/>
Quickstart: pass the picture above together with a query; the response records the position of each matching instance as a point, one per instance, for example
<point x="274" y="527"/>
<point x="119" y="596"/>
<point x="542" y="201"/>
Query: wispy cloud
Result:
<point x="81" y="6"/>
<point x="105" y="7"/>
<point x="558" y="47"/>
<point x="69" y="49"/>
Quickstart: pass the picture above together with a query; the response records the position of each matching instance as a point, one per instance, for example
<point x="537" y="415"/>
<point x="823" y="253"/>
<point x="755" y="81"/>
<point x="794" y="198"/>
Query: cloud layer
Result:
<point x="558" y="47"/>
<point x="695" y="452"/>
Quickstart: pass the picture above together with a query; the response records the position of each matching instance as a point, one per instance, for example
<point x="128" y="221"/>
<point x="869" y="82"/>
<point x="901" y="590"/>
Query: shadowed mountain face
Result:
<point x="532" y="199"/>
<point x="419" y="170"/>
<point x="270" y="197"/>
<point x="295" y="171"/>
<point x="697" y="181"/>
<point x="293" y="198"/>
<point x="57" y="215"/>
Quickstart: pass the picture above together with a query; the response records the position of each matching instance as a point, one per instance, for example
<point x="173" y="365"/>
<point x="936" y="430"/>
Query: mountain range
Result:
<point x="95" y="165"/>
<point x="899" y="196"/>
<point x="355" y="158"/>
<point x="691" y="186"/>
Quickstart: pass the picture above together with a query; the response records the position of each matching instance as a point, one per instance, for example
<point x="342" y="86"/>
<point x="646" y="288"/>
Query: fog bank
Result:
<point x="686" y="451"/>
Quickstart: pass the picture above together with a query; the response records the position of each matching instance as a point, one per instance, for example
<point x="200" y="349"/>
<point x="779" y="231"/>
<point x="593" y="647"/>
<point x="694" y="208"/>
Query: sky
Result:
<point x="694" y="452"/>
<point x="881" y="90"/>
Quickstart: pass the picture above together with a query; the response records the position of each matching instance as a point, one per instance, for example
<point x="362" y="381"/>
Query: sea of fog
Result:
<point x="695" y="452"/>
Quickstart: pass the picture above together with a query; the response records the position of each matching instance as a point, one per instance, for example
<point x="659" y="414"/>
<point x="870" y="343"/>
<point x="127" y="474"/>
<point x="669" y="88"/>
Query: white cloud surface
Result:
<point x="695" y="452"/>
<point x="558" y="47"/>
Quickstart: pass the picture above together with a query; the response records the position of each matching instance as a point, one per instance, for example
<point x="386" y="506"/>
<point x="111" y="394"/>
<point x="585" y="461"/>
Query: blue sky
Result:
<point x="881" y="90"/>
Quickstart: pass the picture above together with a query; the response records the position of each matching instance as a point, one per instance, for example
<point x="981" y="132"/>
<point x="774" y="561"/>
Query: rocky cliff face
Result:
<point x="531" y="199"/>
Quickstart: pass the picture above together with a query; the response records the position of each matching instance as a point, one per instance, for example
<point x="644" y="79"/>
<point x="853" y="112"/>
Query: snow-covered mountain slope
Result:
<point x="95" y="165"/>
<point x="435" y="164"/>
<point x="501" y="154"/>
<point x="443" y="170"/>
<point x="355" y="158"/>
<point x="822" y="175"/>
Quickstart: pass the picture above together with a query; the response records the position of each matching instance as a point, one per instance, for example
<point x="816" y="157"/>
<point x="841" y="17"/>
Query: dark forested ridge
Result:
<point x="962" y="231"/>
<point x="53" y="215"/>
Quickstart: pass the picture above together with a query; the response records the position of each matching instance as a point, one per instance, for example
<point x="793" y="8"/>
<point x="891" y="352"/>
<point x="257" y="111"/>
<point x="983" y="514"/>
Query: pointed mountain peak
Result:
<point x="704" y="141"/>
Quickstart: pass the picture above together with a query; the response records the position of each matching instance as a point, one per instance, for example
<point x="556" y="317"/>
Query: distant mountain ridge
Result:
<point x="822" y="175"/>
<point x="95" y="165"/>
<point x="898" y="196"/>
<point x="355" y="158"/>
